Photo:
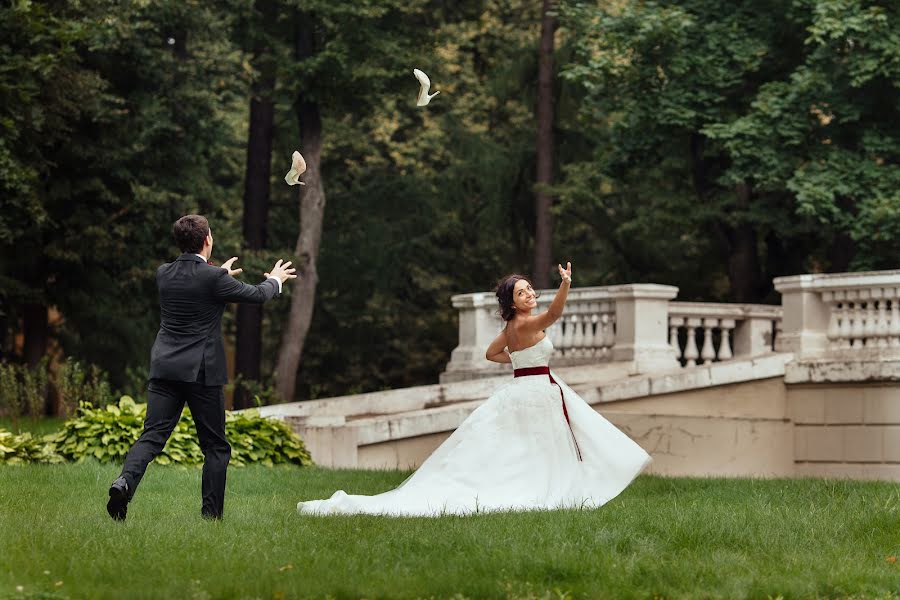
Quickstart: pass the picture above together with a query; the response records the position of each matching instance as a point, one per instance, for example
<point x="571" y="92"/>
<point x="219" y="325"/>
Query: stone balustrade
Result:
<point x="636" y="323"/>
<point x="586" y="332"/>
<point x="808" y="388"/>
<point x="841" y="315"/>
<point x="705" y="332"/>
<point x="584" y="335"/>
<point x="841" y="327"/>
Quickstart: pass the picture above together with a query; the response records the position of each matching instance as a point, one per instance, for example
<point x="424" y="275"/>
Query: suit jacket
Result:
<point x="192" y="295"/>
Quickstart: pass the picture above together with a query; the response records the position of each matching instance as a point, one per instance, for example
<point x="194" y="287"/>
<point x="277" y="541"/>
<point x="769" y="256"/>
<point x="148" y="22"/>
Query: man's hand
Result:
<point x="282" y="272"/>
<point x="227" y="266"/>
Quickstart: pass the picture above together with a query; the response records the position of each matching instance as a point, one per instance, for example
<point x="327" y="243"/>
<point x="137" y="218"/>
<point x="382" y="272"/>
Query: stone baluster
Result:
<point x="674" y="324"/>
<point x="870" y="325"/>
<point x="593" y="338"/>
<point x="609" y="332"/>
<point x="881" y="325"/>
<point x="568" y="324"/>
<point x="708" y="352"/>
<point x="726" y="326"/>
<point x="857" y="327"/>
<point x="834" y="322"/>
<point x="691" y="353"/>
<point x="846" y="330"/>
<point x="579" y="321"/>
<point x="894" y="327"/>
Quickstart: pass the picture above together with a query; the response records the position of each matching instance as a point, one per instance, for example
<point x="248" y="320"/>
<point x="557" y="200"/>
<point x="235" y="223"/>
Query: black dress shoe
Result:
<point x="117" y="507"/>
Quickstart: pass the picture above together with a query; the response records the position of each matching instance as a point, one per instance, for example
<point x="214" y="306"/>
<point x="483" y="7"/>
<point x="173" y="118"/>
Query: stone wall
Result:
<point x="846" y="430"/>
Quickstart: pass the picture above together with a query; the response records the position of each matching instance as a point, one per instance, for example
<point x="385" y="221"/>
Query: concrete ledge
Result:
<point x="403" y="400"/>
<point x="844" y="370"/>
<point x="720" y="373"/>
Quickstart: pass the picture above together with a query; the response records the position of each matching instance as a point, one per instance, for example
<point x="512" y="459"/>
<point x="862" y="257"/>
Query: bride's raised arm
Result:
<point x="555" y="311"/>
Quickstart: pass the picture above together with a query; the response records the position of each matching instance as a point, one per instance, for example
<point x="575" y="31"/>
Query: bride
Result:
<point x="534" y="444"/>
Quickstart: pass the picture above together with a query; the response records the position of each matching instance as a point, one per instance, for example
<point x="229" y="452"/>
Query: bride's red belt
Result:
<point x="525" y="372"/>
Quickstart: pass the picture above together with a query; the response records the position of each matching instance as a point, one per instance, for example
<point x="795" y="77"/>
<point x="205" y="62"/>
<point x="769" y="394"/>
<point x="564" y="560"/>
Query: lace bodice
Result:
<point x="533" y="356"/>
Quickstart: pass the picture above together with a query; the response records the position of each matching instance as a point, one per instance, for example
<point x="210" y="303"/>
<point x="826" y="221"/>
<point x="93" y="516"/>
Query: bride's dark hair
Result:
<point x="504" y="291"/>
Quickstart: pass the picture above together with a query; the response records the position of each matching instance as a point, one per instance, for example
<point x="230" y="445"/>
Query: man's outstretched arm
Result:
<point x="229" y="289"/>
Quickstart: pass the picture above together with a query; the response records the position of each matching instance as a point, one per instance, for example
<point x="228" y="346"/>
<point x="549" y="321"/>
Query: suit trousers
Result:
<point x="165" y="402"/>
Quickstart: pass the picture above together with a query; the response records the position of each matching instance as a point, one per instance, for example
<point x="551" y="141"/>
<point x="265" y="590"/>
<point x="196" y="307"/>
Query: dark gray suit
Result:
<point x="187" y="365"/>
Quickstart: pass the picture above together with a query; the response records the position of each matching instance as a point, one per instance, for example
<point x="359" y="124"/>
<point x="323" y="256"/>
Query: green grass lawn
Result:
<point x="672" y="538"/>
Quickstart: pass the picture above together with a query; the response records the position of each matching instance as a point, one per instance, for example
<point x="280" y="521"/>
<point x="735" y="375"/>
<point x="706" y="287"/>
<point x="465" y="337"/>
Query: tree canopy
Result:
<point x="708" y="144"/>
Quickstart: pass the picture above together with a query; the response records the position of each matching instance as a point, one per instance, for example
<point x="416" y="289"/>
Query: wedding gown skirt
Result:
<point x="517" y="451"/>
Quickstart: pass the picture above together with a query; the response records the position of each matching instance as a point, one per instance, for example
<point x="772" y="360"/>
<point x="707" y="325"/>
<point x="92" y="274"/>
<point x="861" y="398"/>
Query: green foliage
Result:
<point x="16" y="449"/>
<point x="12" y="402"/>
<point x="106" y="434"/>
<point x="115" y="119"/>
<point x="23" y="389"/>
<point x="778" y="119"/>
<point x="255" y="439"/>
<point x="263" y="393"/>
<point x="79" y="386"/>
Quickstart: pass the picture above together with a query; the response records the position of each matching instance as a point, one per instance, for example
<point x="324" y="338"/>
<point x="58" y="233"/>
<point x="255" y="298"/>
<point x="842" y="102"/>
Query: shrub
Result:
<point x="25" y="448"/>
<point x="23" y="389"/>
<point x="79" y="385"/>
<point x="11" y="401"/>
<point x="106" y="434"/>
<point x="34" y="385"/>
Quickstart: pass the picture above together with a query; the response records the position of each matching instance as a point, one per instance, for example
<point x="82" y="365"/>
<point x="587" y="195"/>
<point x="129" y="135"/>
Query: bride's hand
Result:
<point x="566" y="273"/>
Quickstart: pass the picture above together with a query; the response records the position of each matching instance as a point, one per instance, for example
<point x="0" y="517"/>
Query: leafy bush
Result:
<point x="11" y="401"/>
<point x="106" y="434"/>
<point x="23" y="389"/>
<point x="79" y="385"/>
<point x="25" y="448"/>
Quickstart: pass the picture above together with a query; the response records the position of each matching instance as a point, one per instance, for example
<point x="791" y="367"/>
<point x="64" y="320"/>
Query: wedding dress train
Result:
<point x="534" y="444"/>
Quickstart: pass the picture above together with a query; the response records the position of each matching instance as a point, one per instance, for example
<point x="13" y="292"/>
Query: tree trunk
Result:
<point x="743" y="257"/>
<point x="740" y="241"/>
<point x="35" y="332"/>
<point x="840" y="253"/>
<point x="248" y="348"/>
<point x="543" y="230"/>
<point x="312" y="212"/>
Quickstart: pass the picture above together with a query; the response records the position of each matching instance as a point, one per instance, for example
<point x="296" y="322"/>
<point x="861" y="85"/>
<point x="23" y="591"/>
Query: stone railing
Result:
<point x="844" y="314"/>
<point x="584" y="335"/>
<point x="635" y="323"/>
<point x="586" y="332"/>
<point x="705" y="332"/>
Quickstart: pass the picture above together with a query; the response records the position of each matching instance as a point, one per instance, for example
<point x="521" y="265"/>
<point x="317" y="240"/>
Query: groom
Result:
<point x="187" y="363"/>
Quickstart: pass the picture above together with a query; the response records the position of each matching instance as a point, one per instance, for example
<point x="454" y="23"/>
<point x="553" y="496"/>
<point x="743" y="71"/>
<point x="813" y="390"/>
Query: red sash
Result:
<point x="546" y="371"/>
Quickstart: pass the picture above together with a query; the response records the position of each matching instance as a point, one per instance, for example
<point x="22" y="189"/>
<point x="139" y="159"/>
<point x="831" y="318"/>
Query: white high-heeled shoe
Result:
<point x="298" y="167"/>
<point x="425" y="84"/>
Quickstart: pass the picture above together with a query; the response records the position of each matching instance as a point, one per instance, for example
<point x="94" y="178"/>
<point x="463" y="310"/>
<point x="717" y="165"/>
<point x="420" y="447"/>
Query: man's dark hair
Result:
<point x="190" y="231"/>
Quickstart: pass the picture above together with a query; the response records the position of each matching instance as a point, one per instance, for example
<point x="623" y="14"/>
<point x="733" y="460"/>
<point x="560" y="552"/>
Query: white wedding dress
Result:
<point x="514" y="452"/>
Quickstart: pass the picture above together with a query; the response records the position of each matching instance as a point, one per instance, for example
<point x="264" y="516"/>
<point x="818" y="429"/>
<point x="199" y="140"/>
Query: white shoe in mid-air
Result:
<point x="425" y="85"/>
<point x="298" y="167"/>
